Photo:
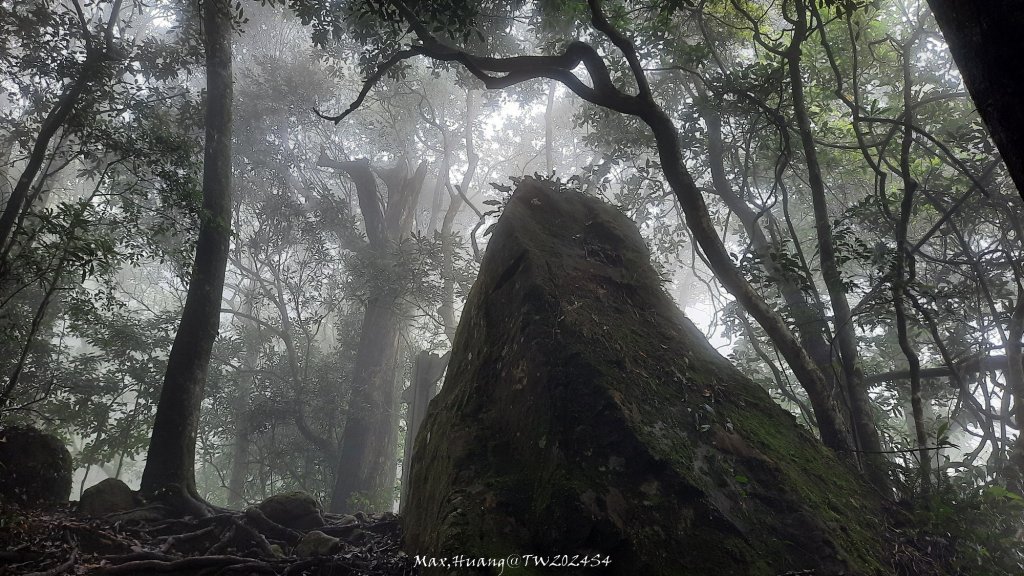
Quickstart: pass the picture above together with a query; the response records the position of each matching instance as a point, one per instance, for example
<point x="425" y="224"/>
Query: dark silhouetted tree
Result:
<point x="171" y="455"/>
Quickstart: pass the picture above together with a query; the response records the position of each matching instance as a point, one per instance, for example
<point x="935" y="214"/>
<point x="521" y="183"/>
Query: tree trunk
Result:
<point x="1015" y="382"/>
<point x="830" y="422"/>
<point x="370" y="440"/>
<point x="549" y="130"/>
<point x="862" y="424"/>
<point x="903" y="274"/>
<point x="171" y="455"/>
<point x="240" y="444"/>
<point x="981" y="36"/>
<point x="364" y="476"/>
<point x="427" y="370"/>
<point x="813" y="329"/>
<point x="812" y="325"/>
<point x="447" y="308"/>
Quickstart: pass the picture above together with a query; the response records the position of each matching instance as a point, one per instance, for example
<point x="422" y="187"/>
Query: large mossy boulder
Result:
<point x="583" y="414"/>
<point x="35" y="467"/>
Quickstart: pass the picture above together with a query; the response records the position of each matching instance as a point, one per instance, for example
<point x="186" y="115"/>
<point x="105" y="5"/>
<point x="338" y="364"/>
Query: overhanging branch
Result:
<point x="498" y="73"/>
<point x="368" y="85"/>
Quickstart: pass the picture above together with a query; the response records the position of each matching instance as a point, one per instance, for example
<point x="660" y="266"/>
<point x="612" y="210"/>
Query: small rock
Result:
<point x="346" y="520"/>
<point x="316" y="543"/>
<point x="108" y="497"/>
<point x="357" y="537"/>
<point x="295" y="510"/>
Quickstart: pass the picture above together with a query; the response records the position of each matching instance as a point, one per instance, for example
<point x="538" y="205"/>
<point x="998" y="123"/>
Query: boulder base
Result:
<point x="583" y="415"/>
<point x="35" y="468"/>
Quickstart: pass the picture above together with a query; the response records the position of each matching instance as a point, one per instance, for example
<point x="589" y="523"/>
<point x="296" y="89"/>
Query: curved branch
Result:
<point x="559" y="67"/>
<point x="369" y="83"/>
<point x="625" y="45"/>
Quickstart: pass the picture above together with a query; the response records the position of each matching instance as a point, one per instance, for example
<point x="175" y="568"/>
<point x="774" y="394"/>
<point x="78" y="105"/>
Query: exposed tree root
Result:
<point x="55" y="543"/>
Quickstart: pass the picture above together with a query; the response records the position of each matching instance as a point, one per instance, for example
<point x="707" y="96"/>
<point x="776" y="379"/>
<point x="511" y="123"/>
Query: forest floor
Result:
<point x="55" y="542"/>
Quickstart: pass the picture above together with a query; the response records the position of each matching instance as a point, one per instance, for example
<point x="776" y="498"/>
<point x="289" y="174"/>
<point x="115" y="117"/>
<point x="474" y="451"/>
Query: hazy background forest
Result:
<point x="841" y="159"/>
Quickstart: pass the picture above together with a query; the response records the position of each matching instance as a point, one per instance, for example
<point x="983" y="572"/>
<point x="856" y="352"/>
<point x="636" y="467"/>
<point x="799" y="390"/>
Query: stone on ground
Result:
<point x="316" y="543"/>
<point x="295" y="510"/>
<point x="107" y="497"/>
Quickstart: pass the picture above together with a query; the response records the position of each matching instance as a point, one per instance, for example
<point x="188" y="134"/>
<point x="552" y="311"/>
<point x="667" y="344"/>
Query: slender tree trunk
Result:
<point x="1015" y="382"/>
<point x="96" y="57"/>
<point x="240" y="443"/>
<point x="37" y="321"/>
<point x="6" y="147"/>
<point x="437" y="198"/>
<point x="53" y="122"/>
<point x="447" y="308"/>
<point x="903" y="269"/>
<point x="172" y="446"/>
<point x="549" y="130"/>
<point x="813" y="329"/>
<point x="830" y="422"/>
<point x="865" y="431"/>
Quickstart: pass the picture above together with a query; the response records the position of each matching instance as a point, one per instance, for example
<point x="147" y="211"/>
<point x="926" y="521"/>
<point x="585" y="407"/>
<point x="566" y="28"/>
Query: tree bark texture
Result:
<point x="171" y="455"/>
<point x="1015" y="381"/>
<point x="369" y="444"/>
<point x="240" y="443"/>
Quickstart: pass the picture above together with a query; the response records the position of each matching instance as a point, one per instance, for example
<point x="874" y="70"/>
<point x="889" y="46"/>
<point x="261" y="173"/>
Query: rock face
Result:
<point x="583" y="414"/>
<point x="108" y="497"/>
<point x="35" y="468"/>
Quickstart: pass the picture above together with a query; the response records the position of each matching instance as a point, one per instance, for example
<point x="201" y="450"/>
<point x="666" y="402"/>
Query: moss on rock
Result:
<point x="583" y="414"/>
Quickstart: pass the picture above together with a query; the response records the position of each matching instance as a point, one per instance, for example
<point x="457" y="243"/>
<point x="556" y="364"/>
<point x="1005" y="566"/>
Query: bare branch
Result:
<point x="368" y="85"/>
